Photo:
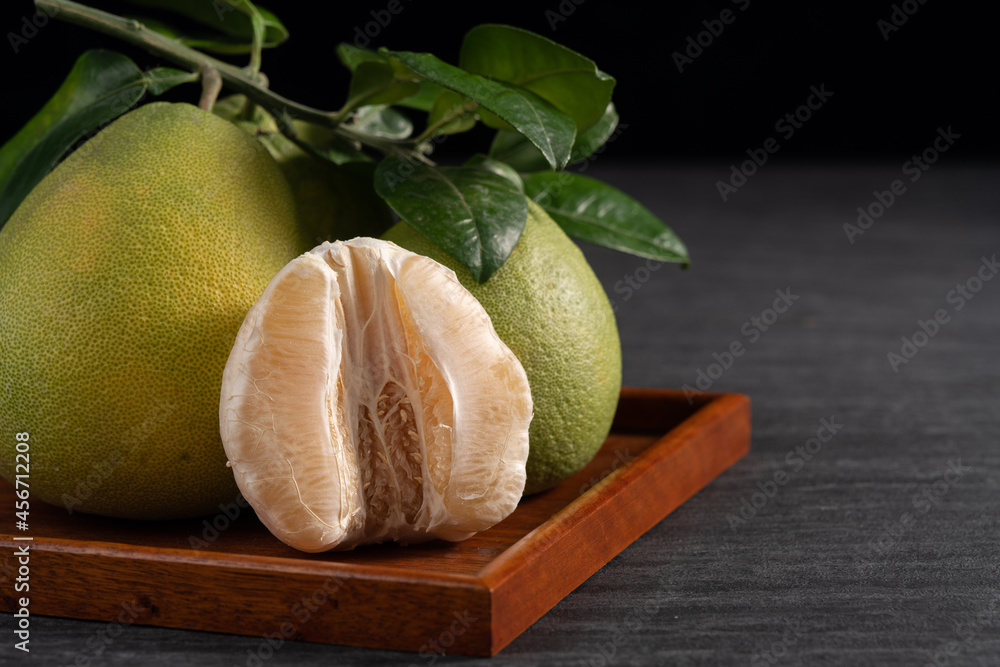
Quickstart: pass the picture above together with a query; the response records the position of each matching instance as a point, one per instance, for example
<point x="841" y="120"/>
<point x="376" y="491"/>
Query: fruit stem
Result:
<point x="211" y="84"/>
<point x="256" y="45"/>
<point x="246" y="81"/>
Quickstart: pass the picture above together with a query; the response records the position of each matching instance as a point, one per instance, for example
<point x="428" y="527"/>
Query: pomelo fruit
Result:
<point x="368" y="398"/>
<point x="549" y="307"/>
<point x="124" y="277"/>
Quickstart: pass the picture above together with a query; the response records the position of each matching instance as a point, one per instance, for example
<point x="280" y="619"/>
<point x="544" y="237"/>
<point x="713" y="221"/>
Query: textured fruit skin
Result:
<point x="550" y="309"/>
<point x="124" y="277"/>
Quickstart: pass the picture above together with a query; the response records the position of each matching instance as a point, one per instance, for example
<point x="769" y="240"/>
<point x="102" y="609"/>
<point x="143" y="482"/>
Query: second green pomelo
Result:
<point x="550" y="309"/>
<point x="124" y="277"/>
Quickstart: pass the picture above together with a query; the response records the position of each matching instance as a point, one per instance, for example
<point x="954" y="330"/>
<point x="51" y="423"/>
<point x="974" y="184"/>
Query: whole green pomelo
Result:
<point x="552" y="312"/>
<point x="124" y="277"/>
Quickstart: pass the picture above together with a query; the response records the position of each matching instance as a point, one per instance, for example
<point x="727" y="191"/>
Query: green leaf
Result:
<point x="595" y="136"/>
<point x="234" y="18"/>
<point x="163" y="28"/>
<point x="425" y="97"/>
<point x="498" y="168"/>
<point x="101" y="86"/>
<point x="381" y="120"/>
<point x="518" y="152"/>
<point x="515" y="150"/>
<point x="423" y="100"/>
<point x="571" y="82"/>
<point x="232" y="108"/>
<point x="337" y="151"/>
<point x="161" y="79"/>
<point x="545" y="126"/>
<point x="490" y="119"/>
<point x="378" y="83"/>
<point x="352" y="56"/>
<point x="203" y="41"/>
<point x="451" y="113"/>
<point x="473" y="214"/>
<point x="596" y="212"/>
<point x="324" y="143"/>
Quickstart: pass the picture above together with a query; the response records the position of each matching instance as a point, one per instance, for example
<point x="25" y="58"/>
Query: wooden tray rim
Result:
<point x="497" y="576"/>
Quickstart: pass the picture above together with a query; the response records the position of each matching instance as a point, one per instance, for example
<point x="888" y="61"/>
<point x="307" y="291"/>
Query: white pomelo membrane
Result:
<point x="367" y="398"/>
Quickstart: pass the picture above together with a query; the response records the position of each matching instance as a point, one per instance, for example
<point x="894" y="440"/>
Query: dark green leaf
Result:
<point x="423" y="100"/>
<point x="498" y="168"/>
<point x="518" y="152"/>
<point x="382" y="121"/>
<point x="377" y="83"/>
<point x="596" y="212"/>
<point x="473" y="214"/>
<point x="595" y="136"/>
<point x="571" y="82"/>
<point x="203" y="41"/>
<point x="352" y="56"/>
<point x="337" y="151"/>
<point x="545" y="126"/>
<point x="161" y="79"/>
<point x="163" y="29"/>
<point x="230" y="17"/>
<point x="490" y="119"/>
<point x="233" y="109"/>
<point x="101" y="86"/>
<point x="451" y="113"/>
<point x="326" y="144"/>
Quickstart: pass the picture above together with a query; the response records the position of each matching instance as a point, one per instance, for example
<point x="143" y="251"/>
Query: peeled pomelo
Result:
<point x="368" y="398"/>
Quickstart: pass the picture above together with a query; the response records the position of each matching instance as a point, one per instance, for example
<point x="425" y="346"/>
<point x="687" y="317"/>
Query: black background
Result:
<point x="889" y="98"/>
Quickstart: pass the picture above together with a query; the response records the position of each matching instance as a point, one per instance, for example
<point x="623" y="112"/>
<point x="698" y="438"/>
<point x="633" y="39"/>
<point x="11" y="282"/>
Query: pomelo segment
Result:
<point x="368" y="398"/>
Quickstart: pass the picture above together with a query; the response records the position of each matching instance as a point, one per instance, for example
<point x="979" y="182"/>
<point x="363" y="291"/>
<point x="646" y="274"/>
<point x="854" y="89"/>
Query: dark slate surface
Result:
<point x="879" y="547"/>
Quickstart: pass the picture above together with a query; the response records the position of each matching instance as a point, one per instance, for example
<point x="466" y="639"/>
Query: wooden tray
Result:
<point x="472" y="597"/>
